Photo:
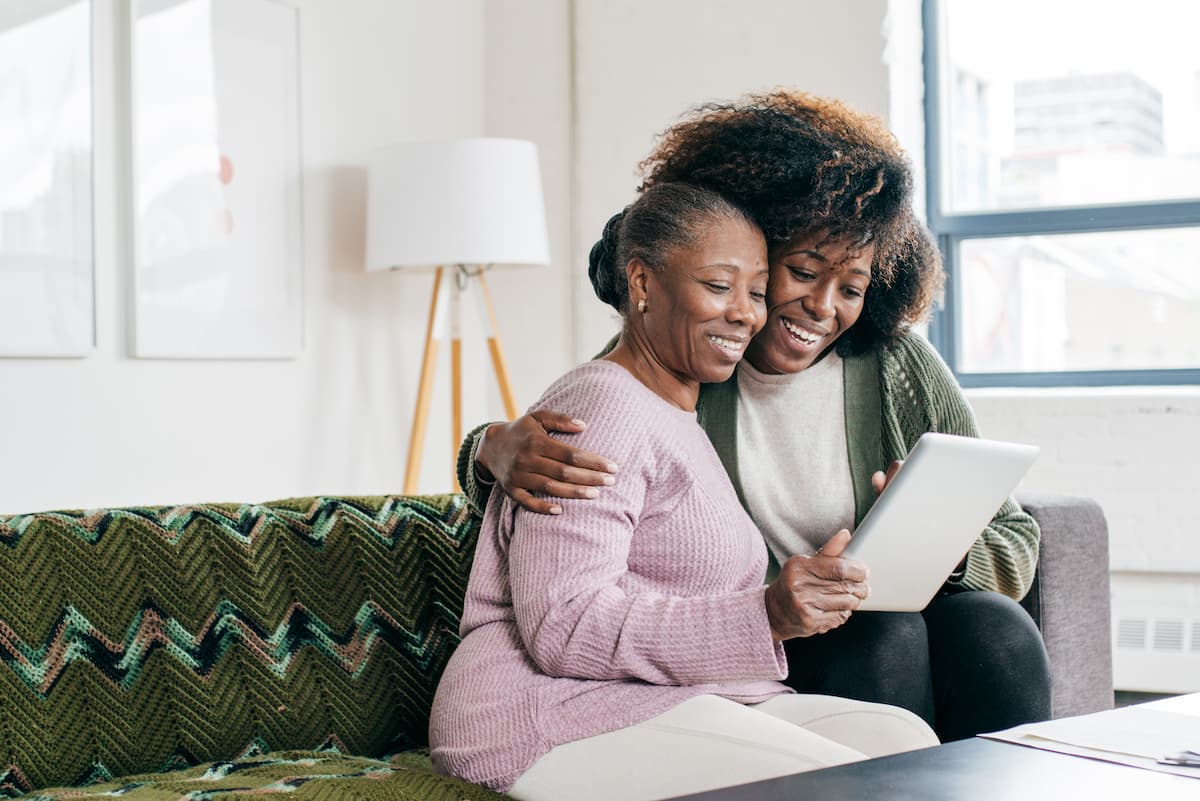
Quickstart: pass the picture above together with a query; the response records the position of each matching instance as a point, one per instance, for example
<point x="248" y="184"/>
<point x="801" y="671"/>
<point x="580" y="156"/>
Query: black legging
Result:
<point x="968" y="663"/>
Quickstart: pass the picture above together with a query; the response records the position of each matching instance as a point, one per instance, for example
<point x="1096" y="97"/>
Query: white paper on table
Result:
<point x="1182" y="704"/>
<point x="1136" y="735"/>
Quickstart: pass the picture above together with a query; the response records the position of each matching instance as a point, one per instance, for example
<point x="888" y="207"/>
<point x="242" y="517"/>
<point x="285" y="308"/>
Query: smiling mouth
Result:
<point x="805" y="336"/>
<point x="731" y="345"/>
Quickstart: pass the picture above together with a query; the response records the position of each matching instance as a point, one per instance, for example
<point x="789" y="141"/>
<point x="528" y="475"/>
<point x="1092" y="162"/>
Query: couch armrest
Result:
<point x="1070" y="600"/>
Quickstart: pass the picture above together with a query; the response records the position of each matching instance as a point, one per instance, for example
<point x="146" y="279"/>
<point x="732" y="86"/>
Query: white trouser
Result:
<point x="709" y="742"/>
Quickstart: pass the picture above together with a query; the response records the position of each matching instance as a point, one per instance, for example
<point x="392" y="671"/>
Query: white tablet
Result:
<point x="937" y="505"/>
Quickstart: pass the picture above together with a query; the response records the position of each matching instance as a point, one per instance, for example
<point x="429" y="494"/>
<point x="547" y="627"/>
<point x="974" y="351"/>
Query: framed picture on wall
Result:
<point x="46" y="266"/>
<point x="218" y="267"/>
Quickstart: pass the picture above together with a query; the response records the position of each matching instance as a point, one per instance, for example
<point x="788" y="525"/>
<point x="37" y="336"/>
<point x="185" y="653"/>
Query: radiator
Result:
<point x="1156" y="632"/>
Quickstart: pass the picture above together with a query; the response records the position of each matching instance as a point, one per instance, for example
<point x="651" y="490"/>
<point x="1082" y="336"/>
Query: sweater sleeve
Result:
<point x="1005" y="556"/>
<point x="476" y="490"/>
<point x="577" y="619"/>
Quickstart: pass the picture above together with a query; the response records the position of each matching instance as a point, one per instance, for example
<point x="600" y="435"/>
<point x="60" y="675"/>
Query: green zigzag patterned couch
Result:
<point x="217" y="651"/>
<point x="191" y="652"/>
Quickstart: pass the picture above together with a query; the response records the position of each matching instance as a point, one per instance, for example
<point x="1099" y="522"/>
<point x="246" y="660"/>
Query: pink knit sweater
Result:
<point x="614" y="611"/>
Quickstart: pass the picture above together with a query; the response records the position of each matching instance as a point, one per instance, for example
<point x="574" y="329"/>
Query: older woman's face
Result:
<point x="815" y="295"/>
<point x="709" y="300"/>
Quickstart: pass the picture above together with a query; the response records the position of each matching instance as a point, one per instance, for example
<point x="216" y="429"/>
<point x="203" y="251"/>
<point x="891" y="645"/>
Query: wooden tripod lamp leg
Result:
<point x="416" y="442"/>
<point x="456" y="292"/>
<point x="506" y="393"/>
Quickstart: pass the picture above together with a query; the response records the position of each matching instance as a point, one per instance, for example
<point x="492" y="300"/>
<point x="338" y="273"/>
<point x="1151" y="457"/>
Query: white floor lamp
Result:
<point x="462" y="207"/>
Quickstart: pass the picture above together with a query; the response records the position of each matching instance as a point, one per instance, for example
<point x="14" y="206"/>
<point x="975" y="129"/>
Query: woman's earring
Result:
<point x="642" y="305"/>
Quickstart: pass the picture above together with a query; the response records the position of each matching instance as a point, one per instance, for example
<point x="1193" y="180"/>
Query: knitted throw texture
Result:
<point x="152" y="639"/>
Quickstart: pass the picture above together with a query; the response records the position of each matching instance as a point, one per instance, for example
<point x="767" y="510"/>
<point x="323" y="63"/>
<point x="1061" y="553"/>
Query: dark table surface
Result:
<point x="968" y="770"/>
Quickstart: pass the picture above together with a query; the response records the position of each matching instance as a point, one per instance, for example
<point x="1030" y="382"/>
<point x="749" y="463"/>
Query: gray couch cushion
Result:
<point x="1070" y="600"/>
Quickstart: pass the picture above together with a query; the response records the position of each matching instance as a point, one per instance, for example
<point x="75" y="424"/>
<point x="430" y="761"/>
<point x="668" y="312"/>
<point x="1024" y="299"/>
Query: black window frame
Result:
<point x="952" y="229"/>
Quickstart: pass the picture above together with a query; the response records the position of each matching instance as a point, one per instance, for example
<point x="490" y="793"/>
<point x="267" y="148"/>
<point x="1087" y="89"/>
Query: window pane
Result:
<point x="1102" y="301"/>
<point x="1069" y="102"/>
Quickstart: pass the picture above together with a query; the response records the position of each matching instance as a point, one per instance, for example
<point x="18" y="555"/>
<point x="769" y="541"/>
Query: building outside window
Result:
<point x="1063" y="148"/>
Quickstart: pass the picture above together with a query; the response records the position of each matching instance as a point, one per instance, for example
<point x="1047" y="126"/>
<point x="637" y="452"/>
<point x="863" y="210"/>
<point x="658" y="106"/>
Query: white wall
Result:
<point x="528" y="95"/>
<point x="110" y="430"/>
<point x="375" y="72"/>
<point x="1130" y="449"/>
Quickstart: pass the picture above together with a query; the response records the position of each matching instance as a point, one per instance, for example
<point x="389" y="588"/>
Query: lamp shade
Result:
<point x="460" y="201"/>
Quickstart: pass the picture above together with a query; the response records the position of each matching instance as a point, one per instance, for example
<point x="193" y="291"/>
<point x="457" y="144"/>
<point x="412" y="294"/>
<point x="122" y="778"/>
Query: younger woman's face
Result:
<point x="815" y="295"/>
<point x="709" y="300"/>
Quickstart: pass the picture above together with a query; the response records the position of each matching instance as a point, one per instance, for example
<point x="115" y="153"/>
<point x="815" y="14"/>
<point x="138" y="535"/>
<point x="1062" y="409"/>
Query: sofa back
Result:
<point x="143" y="639"/>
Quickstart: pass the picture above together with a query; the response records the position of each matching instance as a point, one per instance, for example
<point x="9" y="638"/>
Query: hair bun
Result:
<point x="601" y="267"/>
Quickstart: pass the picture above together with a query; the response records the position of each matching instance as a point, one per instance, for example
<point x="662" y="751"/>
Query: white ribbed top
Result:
<point x="793" y="459"/>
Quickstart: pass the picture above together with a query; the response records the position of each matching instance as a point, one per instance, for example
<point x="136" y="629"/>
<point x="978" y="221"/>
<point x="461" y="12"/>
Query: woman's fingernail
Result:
<point x="609" y="481"/>
<point x="591" y="492"/>
<point x="556" y="510"/>
<point x="610" y="467"/>
<point x="575" y="421"/>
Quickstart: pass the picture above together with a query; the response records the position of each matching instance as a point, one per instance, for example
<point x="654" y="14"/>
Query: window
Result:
<point x="1063" y="156"/>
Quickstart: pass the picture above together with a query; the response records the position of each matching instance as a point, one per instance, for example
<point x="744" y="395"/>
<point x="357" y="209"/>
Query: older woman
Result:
<point x="628" y="648"/>
<point x="834" y="390"/>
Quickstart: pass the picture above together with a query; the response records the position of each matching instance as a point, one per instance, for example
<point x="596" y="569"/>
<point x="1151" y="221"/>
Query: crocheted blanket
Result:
<point x="154" y="639"/>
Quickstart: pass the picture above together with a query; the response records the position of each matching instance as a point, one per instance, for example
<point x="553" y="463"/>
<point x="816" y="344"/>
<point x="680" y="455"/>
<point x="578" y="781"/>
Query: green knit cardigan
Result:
<point x="892" y="397"/>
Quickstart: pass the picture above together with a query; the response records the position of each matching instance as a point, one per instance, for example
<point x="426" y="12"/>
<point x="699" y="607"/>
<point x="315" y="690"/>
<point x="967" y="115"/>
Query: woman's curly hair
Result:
<point x="801" y="164"/>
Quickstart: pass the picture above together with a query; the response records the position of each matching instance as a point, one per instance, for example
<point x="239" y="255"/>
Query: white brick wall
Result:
<point x="1134" y="450"/>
